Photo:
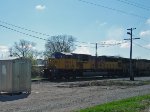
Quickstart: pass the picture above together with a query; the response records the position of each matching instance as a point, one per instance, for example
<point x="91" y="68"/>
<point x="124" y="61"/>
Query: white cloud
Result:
<point x="125" y="45"/>
<point x="3" y="49"/>
<point x="40" y="7"/>
<point x="112" y="42"/>
<point x="82" y="49"/>
<point x="145" y="33"/>
<point x="148" y="21"/>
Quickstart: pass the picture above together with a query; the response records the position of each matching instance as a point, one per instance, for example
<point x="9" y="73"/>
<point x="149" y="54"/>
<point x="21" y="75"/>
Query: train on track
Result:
<point x="72" y="65"/>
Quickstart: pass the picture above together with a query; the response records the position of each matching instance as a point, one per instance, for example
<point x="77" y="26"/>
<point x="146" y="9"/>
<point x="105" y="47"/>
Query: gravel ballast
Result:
<point x="68" y="96"/>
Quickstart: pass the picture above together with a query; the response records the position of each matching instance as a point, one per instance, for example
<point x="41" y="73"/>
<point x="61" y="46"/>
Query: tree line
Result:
<point x="27" y="49"/>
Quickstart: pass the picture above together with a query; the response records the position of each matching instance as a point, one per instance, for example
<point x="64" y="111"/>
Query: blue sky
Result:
<point x="88" y="21"/>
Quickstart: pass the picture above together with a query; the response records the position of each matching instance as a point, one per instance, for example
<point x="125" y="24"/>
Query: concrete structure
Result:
<point x="15" y="75"/>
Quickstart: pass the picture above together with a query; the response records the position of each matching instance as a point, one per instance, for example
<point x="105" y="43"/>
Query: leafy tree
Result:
<point x="60" y="43"/>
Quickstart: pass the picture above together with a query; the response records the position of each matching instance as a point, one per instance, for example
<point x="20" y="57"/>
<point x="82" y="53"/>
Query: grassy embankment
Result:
<point x="135" y="104"/>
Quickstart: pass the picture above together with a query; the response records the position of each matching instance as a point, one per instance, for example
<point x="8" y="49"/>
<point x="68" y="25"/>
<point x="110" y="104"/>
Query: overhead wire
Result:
<point x="12" y="29"/>
<point x="137" y="3"/>
<point x="22" y="32"/>
<point x="48" y="34"/>
<point x="141" y="46"/>
<point x="117" y="10"/>
<point x="147" y="41"/>
<point x="23" y="28"/>
<point x="44" y="34"/>
<point x="26" y="29"/>
<point x="99" y="44"/>
<point x="113" y="9"/>
<point x="133" y="4"/>
<point x="37" y="37"/>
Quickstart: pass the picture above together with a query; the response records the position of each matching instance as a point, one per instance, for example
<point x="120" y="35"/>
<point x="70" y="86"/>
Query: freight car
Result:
<point x="71" y="65"/>
<point x="142" y="67"/>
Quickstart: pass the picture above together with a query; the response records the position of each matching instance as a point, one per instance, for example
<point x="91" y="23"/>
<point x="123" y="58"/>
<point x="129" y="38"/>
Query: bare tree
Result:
<point x="23" y="49"/>
<point x="60" y="43"/>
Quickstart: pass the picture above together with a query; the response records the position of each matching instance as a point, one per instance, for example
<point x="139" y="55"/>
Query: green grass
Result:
<point x="135" y="104"/>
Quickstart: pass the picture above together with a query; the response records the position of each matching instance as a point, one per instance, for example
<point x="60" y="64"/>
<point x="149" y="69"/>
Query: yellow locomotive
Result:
<point x="71" y="65"/>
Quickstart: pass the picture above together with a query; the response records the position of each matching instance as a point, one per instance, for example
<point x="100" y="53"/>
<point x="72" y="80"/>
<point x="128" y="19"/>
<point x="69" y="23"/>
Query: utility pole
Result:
<point x="96" y="50"/>
<point x="96" y="55"/>
<point x="130" y="33"/>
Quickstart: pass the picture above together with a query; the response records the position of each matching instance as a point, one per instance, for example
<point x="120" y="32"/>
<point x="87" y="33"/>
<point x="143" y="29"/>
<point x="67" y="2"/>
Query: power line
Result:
<point x="105" y="44"/>
<point x="138" y="4"/>
<point x="100" y="44"/>
<point x="135" y="5"/>
<point x="22" y="32"/>
<point x="113" y="9"/>
<point x="44" y="34"/>
<point x="30" y="34"/>
<point x="141" y="46"/>
<point x="31" y="31"/>
<point x="147" y="41"/>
